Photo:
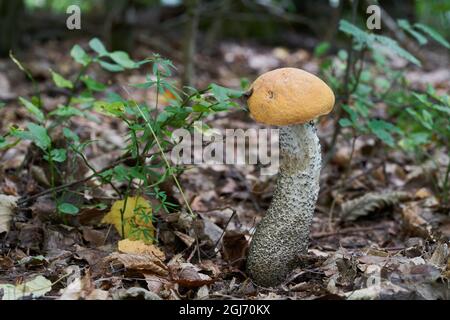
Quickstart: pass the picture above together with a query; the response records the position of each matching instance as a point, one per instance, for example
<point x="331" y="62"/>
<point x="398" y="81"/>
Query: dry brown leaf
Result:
<point x="189" y="241"/>
<point x="139" y="247"/>
<point x="83" y="288"/>
<point x="156" y="283"/>
<point x="440" y="255"/>
<point x="94" y="237"/>
<point x="138" y="262"/>
<point x="362" y="206"/>
<point x="414" y="222"/>
<point x="189" y="276"/>
<point x="235" y="246"/>
<point x="423" y="193"/>
<point x="7" y="205"/>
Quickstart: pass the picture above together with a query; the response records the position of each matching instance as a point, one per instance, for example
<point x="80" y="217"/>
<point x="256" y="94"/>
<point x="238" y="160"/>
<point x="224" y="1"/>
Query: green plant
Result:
<point x="366" y="83"/>
<point x="143" y="168"/>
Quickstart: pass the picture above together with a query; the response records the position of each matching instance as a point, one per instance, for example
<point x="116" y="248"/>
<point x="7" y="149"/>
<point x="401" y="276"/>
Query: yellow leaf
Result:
<point x="136" y="218"/>
<point x="140" y="247"/>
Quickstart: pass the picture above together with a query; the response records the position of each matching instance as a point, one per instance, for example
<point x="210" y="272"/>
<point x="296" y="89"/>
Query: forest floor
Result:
<point x="379" y="231"/>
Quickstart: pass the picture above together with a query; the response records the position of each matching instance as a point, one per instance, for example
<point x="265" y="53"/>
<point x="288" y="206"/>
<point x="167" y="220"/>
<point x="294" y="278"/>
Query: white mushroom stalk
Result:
<point x="290" y="98"/>
<point x="283" y="234"/>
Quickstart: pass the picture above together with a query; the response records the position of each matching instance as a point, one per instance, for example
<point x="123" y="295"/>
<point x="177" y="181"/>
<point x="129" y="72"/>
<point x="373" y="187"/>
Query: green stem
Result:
<point x="77" y="80"/>
<point x="445" y="184"/>
<point x="169" y="167"/>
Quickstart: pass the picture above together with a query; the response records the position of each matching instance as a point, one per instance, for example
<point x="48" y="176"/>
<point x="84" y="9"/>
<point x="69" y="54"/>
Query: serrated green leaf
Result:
<point x="405" y="25"/>
<point x="33" y="109"/>
<point x="441" y="108"/>
<point x="60" y="81"/>
<point x="433" y="34"/>
<point x="359" y="35"/>
<point x="395" y="48"/>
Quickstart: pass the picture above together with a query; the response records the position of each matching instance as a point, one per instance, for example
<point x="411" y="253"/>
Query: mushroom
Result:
<point x="290" y="98"/>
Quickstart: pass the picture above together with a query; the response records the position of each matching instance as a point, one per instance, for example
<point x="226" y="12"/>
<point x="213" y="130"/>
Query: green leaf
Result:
<point x="39" y="136"/>
<point x="115" y="109"/>
<point x="98" y="47"/>
<point x="321" y="49"/>
<point x="345" y="122"/>
<point x="5" y="144"/>
<point x="33" y="109"/>
<point x="123" y="59"/>
<point x="200" y="108"/>
<point x="93" y="84"/>
<point x="222" y="106"/>
<point x="433" y="34"/>
<point x="110" y="66"/>
<point x="66" y="111"/>
<point x="80" y="56"/>
<point x="405" y="25"/>
<point x="383" y="130"/>
<point x="69" y="134"/>
<point x="68" y="208"/>
<point x="57" y="155"/>
<point x="363" y="38"/>
<point x="359" y="35"/>
<point x="395" y="48"/>
<point x="60" y="81"/>
<point x="441" y="108"/>
<point x="223" y="94"/>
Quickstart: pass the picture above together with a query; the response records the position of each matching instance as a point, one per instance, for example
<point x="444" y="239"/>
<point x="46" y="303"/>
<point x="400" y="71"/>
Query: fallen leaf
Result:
<point x="155" y="283"/>
<point x="189" y="276"/>
<point x="135" y="293"/>
<point x="414" y="223"/>
<point x="138" y="262"/>
<point x="7" y="205"/>
<point x="136" y="211"/>
<point x="423" y="193"/>
<point x="235" y="246"/>
<point x="94" y="237"/>
<point x="83" y="288"/>
<point x="35" y="288"/>
<point x="188" y="241"/>
<point x="370" y="202"/>
<point x="140" y="247"/>
<point x="440" y="255"/>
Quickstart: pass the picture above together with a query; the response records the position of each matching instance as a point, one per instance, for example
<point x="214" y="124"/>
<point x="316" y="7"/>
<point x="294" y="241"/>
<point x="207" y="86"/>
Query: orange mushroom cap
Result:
<point x="289" y="96"/>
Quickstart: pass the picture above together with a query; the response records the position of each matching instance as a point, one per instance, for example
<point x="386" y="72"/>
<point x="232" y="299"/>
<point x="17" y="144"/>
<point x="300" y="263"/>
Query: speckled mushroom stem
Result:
<point x="283" y="234"/>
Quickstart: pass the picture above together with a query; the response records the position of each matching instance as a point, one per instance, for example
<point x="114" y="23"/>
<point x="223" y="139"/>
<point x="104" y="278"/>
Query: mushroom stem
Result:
<point x="283" y="234"/>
